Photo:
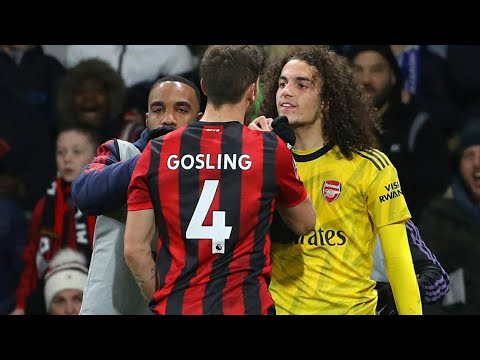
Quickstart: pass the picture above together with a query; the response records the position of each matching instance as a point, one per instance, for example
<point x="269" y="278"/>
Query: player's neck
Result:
<point x="309" y="137"/>
<point x="224" y="113"/>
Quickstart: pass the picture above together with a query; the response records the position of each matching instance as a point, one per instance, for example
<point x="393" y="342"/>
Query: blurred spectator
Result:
<point x="426" y="82"/>
<point x="56" y="223"/>
<point x="28" y="118"/>
<point x="136" y="63"/>
<point x="64" y="283"/>
<point x="464" y="72"/>
<point x="134" y="112"/>
<point x="450" y="226"/>
<point x="13" y="237"/>
<point x="412" y="140"/>
<point x="92" y="94"/>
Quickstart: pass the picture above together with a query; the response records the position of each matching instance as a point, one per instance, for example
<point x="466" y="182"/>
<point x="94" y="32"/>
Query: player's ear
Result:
<point x="252" y="92"/>
<point x="202" y="86"/>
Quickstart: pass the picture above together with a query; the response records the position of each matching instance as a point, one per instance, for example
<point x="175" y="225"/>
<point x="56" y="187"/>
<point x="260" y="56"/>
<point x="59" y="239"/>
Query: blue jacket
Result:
<point x="13" y="238"/>
<point x="102" y="186"/>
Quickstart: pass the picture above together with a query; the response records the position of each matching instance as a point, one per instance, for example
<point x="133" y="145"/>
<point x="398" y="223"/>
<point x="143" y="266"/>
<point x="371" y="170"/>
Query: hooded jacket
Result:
<point x="102" y="186"/>
<point x="101" y="190"/>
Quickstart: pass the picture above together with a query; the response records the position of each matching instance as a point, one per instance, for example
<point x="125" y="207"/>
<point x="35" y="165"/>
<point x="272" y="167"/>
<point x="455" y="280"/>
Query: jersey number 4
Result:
<point x="217" y="232"/>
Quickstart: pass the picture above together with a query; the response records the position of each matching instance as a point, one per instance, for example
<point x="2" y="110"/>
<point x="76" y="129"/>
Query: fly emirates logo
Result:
<point x="207" y="161"/>
<point x="323" y="237"/>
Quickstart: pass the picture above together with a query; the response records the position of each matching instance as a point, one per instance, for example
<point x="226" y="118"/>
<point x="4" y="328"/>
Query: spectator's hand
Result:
<point x="18" y="312"/>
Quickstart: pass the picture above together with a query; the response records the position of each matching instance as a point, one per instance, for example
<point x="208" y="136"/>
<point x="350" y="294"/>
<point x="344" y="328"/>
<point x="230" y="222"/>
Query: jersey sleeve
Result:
<point x="385" y="200"/>
<point x="138" y="191"/>
<point x="432" y="278"/>
<point x="102" y="185"/>
<point x="291" y="190"/>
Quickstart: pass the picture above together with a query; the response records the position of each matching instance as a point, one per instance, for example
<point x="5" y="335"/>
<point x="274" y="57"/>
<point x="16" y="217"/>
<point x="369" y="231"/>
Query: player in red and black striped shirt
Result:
<point x="211" y="188"/>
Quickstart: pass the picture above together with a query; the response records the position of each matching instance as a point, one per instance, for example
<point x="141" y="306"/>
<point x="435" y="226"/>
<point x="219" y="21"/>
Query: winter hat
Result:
<point x="67" y="271"/>
<point x="385" y="51"/>
<point x="470" y="134"/>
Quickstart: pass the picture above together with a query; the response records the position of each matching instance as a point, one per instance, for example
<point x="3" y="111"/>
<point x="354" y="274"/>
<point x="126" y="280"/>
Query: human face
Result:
<point x="90" y="102"/>
<point x="74" y="152"/>
<point x="470" y="169"/>
<point x="66" y="302"/>
<point x="298" y="94"/>
<point x="375" y="75"/>
<point x="171" y="103"/>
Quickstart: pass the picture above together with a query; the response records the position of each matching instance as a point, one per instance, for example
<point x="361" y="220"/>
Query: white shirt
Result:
<point x="139" y="62"/>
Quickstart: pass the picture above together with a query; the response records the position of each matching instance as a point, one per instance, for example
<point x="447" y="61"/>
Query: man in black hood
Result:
<point x="413" y="141"/>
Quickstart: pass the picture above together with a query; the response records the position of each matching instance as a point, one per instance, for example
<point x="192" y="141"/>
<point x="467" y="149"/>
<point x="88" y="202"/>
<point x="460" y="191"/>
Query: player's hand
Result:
<point x="427" y="280"/>
<point x="281" y="127"/>
<point x="386" y="302"/>
<point x="160" y="131"/>
<point x="261" y="123"/>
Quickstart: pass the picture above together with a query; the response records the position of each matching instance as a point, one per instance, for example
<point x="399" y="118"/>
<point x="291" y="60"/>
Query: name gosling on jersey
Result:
<point x="393" y="191"/>
<point x="208" y="161"/>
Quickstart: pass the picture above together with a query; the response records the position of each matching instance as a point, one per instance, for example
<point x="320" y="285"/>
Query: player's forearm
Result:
<point x="400" y="270"/>
<point x="404" y="285"/>
<point x="300" y="218"/>
<point x="142" y="266"/>
<point x="139" y="231"/>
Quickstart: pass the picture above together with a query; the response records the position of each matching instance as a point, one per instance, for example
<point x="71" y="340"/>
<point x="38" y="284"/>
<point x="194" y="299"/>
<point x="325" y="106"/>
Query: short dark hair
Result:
<point x="181" y="79"/>
<point x="90" y="132"/>
<point x="228" y="70"/>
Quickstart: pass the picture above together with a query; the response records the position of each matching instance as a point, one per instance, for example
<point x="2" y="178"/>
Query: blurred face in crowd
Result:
<point x="172" y="103"/>
<point x="376" y="76"/>
<point x="298" y="93"/>
<point x="66" y="302"/>
<point x="90" y="102"/>
<point x="74" y="152"/>
<point x="470" y="169"/>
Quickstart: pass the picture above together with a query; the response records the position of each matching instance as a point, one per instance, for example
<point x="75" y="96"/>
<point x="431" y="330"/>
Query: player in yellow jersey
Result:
<point x="354" y="188"/>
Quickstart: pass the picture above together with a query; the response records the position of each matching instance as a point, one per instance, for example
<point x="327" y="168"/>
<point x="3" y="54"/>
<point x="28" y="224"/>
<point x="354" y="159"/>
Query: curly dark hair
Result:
<point x="349" y="121"/>
<point x="99" y="69"/>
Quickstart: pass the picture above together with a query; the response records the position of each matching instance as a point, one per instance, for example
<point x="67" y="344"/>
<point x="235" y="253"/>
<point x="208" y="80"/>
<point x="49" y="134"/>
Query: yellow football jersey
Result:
<point x="328" y="271"/>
